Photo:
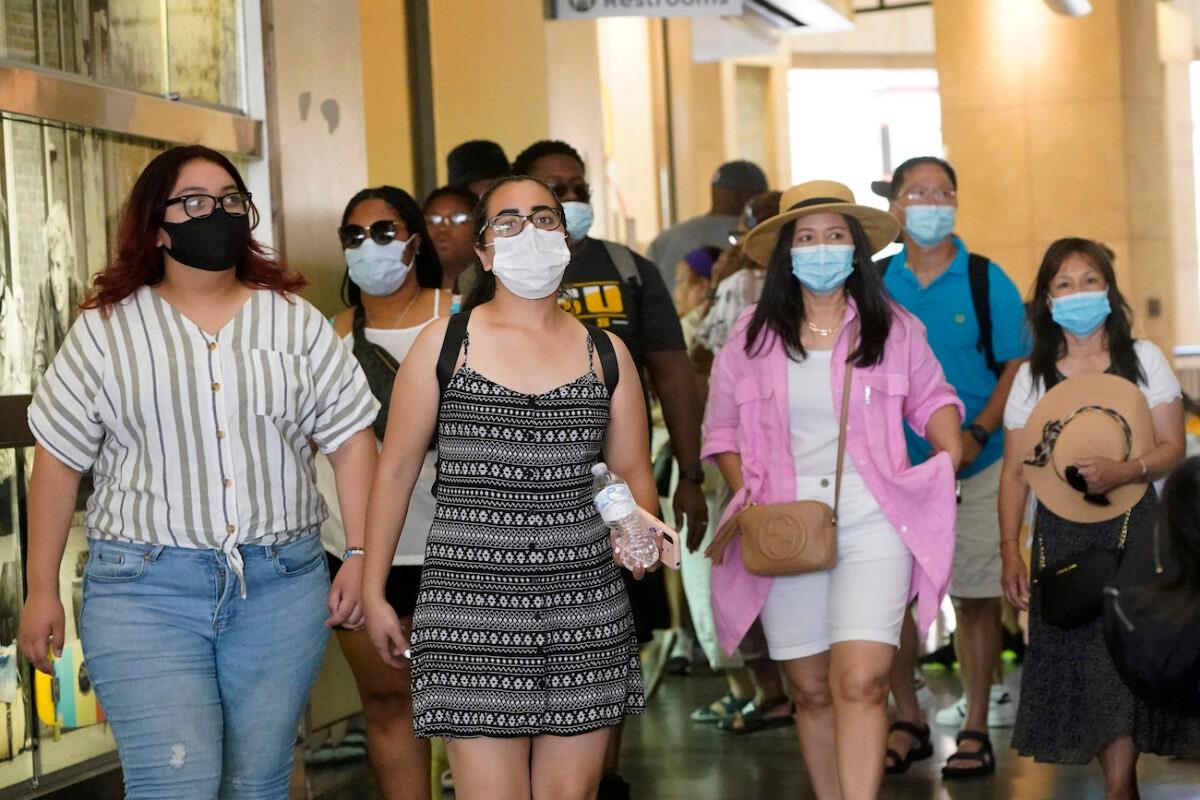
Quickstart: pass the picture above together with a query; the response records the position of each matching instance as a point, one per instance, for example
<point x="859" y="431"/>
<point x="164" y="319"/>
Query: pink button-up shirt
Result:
<point x="748" y="414"/>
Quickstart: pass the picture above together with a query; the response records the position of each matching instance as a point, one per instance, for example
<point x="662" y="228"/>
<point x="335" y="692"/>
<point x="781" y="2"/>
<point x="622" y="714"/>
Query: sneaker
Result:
<point x="680" y="660"/>
<point x="924" y="696"/>
<point x="1002" y="711"/>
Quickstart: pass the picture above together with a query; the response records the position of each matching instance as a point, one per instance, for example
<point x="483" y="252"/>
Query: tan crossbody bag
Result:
<point x="789" y="538"/>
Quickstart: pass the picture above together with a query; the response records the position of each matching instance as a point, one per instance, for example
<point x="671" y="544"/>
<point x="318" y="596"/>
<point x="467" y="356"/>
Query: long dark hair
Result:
<point x="781" y="307"/>
<point x="485" y="285"/>
<point x="137" y="260"/>
<point x="1049" y="343"/>
<point x="429" y="268"/>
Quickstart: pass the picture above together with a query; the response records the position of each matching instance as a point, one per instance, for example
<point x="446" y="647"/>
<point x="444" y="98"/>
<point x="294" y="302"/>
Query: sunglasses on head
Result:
<point x="381" y="232"/>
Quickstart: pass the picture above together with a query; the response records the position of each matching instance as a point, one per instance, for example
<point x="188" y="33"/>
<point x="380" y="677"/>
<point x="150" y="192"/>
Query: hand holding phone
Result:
<point x="669" y="545"/>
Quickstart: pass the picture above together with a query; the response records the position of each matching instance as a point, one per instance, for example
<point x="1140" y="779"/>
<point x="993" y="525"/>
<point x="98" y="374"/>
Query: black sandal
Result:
<point x="922" y="747"/>
<point x="984" y="757"/>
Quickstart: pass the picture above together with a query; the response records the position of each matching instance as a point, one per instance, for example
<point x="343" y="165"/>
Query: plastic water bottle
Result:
<point x="615" y="503"/>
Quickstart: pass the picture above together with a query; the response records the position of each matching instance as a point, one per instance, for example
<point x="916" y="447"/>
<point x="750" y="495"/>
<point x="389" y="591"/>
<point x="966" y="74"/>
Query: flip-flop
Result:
<point x="984" y="758"/>
<point x="921" y="749"/>
<point x="729" y="706"/>
<point x="752" y="717"/>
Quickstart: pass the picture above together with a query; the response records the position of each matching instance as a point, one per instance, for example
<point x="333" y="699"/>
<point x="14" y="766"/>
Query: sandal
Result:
<point x="921" y="749"/>
<point x="984" y="758"/>
<point x="754" y="717"/>
<point x="729" y="705"/>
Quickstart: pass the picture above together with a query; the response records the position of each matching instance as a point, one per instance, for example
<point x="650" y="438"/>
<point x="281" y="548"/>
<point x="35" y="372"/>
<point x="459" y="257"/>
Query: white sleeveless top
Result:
<point x="410" y="550"/>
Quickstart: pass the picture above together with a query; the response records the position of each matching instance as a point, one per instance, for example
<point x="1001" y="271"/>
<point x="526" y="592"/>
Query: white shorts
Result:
<point x="863" y="598"/>
<point x="977" y="564"/>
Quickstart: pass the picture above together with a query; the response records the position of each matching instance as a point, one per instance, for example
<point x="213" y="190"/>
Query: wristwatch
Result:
<point x="694" y="474"/>
<point x="979" y="433"/>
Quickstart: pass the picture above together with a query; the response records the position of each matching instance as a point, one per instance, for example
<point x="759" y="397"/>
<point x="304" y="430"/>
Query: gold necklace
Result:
<point x="823" y="331"/>
<point x="397" y="320"/>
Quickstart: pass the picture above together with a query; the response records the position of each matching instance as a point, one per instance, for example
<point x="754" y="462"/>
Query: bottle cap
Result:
<point x="599" y="468"/>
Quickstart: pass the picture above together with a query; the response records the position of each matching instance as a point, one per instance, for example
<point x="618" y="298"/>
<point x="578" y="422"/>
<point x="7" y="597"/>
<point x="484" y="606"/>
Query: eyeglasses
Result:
<point x="455" y="219"/>
<point x="199" y="206"/>
<point x="381" y="231"/>
<point x="509" y="224"/>
<point x="924" y="195"/>
<point x="583" y="192"/>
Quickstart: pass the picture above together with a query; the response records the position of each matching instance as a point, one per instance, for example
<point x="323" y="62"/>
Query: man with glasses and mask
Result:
<point x="613" y="287"/>
<point x="975" y="321"/>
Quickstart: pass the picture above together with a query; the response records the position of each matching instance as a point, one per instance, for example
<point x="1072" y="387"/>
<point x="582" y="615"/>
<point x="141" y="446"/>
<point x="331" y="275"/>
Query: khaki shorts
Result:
<point x="977" y="566"/>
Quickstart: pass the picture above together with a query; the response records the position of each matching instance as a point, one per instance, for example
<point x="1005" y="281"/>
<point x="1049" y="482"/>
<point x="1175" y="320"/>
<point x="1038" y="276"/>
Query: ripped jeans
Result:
<point x="204" y="689"/>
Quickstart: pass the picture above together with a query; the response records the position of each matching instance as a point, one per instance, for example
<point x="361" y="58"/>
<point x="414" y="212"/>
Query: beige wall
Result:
<point x="489" y="74"/>
<point x="387" y="109"/>
<point x="318" y="131"/>
<point x="1058" y="127"/>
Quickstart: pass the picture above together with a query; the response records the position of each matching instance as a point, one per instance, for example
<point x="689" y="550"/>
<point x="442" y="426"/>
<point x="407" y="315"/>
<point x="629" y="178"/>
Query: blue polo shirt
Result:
<point x="945" y="308"/>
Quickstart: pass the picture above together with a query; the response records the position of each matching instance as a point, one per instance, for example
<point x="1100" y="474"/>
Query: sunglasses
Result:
<point x="1077" y="482"/>
<point x="583" y="192"/>
<point x="381" y="232"/>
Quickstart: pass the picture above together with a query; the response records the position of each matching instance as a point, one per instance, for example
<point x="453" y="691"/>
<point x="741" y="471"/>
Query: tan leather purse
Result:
<point x="789" y="538"/>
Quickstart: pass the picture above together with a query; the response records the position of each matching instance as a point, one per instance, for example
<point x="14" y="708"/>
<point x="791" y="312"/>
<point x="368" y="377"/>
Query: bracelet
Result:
<point x="351" y="552"/>
<point x="1145" y="471"/>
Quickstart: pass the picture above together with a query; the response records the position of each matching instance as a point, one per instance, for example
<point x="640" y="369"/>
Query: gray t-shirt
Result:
<point x="669" y="248"/>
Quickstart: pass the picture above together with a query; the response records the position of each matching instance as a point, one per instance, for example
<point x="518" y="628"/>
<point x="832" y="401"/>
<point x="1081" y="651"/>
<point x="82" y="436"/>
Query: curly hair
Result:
<point x="547" y="147"/>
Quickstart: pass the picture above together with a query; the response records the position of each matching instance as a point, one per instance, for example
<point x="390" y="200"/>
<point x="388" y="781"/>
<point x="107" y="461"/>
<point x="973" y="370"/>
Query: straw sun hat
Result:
<point x="1084" y="417"/>
<point x="818" y="197"/>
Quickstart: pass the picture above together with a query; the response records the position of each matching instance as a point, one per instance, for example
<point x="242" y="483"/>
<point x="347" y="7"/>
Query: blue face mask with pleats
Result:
<point x="929" y="225"/>
<point x="1081" y="313"/>
<point x="822" y="268"/>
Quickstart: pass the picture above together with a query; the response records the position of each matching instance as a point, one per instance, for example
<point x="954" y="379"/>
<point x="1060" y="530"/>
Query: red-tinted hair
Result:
<point x="138" y="260"/>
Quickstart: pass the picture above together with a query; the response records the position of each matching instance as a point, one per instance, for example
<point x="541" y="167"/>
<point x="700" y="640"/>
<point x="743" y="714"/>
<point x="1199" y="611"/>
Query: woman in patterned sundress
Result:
<point x="522" y="643"/>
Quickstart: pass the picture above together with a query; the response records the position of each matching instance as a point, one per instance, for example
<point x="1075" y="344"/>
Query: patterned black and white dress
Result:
<point x="522" y="625"/>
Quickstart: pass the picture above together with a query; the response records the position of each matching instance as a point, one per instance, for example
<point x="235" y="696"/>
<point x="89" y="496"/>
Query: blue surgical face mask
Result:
<point x="579" y="218"/>
<point x="824" y="267"/>
<point x="929" y="225"/>
<point x="1081" y="313"/>
<point x="378" y="269"/>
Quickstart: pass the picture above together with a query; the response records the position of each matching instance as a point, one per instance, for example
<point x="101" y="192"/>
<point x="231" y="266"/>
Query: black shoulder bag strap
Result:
<point x="456" y="332"/>
<point x="608" y="358"/>
<point x="977" y="273"/>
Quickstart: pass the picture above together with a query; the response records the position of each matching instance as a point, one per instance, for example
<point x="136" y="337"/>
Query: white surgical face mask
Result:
<point x="531" y="264"/>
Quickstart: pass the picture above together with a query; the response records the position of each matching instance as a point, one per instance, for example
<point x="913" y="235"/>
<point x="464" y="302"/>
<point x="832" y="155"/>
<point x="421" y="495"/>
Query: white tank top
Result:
<point x="411" y="548"/>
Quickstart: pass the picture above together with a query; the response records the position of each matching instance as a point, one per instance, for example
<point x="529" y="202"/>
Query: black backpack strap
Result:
<point x="456" y="333"/>
<point x="608" y="358"/>
<point x="978" y="268"/>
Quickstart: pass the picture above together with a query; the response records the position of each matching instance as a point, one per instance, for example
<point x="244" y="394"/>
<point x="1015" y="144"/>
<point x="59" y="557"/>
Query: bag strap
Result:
<point x="978" y="267"/>
<point x="622" y="259"/>
<point x="456" y="332"/>
<point x="841" y="457"/>
<point x="608" y="357"/>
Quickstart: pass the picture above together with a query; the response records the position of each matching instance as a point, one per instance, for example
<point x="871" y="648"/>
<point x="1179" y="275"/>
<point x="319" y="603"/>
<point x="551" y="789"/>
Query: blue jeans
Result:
<point x="204" y="689"/>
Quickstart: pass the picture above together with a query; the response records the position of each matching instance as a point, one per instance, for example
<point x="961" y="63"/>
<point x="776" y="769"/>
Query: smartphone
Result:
<point x="671" y="541"/>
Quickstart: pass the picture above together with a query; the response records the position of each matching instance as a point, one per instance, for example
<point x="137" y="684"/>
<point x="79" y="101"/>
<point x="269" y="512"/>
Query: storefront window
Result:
<point x="184" y="48"/>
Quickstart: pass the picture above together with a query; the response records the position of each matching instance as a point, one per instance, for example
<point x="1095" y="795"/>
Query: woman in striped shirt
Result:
<point x="194" y="387"/>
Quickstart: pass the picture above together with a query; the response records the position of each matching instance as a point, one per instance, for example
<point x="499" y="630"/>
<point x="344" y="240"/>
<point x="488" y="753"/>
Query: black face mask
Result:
<point x="214" y="243"/>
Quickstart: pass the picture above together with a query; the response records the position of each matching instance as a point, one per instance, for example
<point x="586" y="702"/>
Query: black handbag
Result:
<point x="1072" y="590"/>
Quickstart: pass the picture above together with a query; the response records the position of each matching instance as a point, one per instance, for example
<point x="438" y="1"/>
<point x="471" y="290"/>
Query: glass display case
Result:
<point x="52" y="730"/>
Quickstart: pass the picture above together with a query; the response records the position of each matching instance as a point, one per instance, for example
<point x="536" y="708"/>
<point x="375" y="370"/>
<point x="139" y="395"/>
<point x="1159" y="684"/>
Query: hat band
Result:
<point x="1045" y="449"/>
<point x="817" y="201"/>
